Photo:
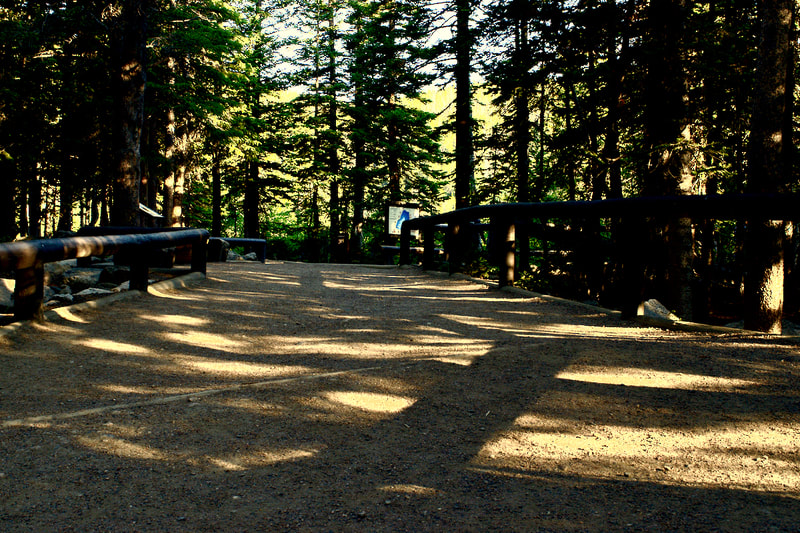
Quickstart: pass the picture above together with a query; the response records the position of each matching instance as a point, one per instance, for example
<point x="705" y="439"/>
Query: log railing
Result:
<point x="27" y="259"/>
<point x="632" y="216"/>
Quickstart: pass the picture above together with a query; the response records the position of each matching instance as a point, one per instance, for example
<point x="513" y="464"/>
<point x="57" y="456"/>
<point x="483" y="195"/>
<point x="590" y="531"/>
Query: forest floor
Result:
<point x="297" y="397"/>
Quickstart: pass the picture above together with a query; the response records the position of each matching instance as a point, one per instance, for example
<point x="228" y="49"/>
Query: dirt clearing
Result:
<point x="296" y="397"/>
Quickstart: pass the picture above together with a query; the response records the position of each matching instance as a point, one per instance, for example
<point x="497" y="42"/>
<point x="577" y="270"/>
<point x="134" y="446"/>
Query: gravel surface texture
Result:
<point x="297" y="397"/>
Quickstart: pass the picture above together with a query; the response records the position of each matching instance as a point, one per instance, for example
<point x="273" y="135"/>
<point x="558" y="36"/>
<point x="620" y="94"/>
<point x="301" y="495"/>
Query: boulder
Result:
<point x="54" y="272"/>
<point x="252" y="256"/>
<point x="90" y="293"/>
<point x="233" y="256"/>
<point x="655" y="309"/>
<point x="115" y="274"/>
<point x="7" y="295"/>
<point x="79" y="279"/>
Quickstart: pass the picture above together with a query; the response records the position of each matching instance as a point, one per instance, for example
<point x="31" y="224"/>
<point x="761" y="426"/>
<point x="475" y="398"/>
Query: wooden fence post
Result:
<point x="139" y="268"/>
<point x="453" y="243"/>
<point x="405" y="245"/>
<point x="200" y="255"/>
<point x="503" y="239"/>
<point x="29" y="292"/>
<point x="428" y="246"/>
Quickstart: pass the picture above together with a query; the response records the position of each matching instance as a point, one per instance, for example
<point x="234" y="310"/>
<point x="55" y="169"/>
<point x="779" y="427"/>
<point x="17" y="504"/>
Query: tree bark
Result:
<point x="252" y="201"/>
<point x="216" y="195"/>
<point x="131" y="41"/>
<point x="763" y="291"/>
<point x="464" y="150"/>
<point x="667" y="138"/>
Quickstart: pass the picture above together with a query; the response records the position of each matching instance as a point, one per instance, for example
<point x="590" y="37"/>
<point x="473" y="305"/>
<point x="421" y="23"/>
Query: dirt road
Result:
<point x="293" y="397"/>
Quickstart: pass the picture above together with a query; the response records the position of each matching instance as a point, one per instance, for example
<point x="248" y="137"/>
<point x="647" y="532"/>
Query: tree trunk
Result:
<point x="131" y="41"/>
<point x="34" y="206"/>
<point x="216" y="196"/>
<point x="522" y="138"/>
<point x="667" y="137"/>
<point x="334" y="165"/>
<point x="464" y="150"/>
<point x="763" y="294"/>
<point x="251" y="201"/>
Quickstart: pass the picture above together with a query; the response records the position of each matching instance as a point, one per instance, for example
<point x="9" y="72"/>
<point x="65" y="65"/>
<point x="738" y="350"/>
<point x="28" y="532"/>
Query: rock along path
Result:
<point x="296" y="397"/>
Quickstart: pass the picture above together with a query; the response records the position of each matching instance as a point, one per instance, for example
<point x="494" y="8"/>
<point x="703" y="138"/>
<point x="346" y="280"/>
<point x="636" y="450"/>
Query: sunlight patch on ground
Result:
<point x="479" y="299"/>
<point x="242" y="462"/>
<point x="122" y="448"/>
<point x="107" y="345"/>
<point x="561" y="330"/>
<point x="639" y="377"/>
<point x="370" y="401"/>
<point x="179" y="320"/>
<point x="415" y="490"/>
<point x="405" y="348"/>
<point x="67" y="314"/>
<point x="240" y="369"/>
<point x="169" y="294"/>
<point x="147" y="390"/>
<point x="751" y="456"/>
<point x="204" y="340"/>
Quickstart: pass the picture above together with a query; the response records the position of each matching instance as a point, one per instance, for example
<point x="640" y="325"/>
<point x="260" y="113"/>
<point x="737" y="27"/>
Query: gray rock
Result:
<point x="252" y="256"/>
<point x="61" y="299"/>
<point x="233" y="256"/>
<point x="655" y="309"/>
<point x="80" y="279"/>
<point x="54" y="272"/>
<point x="7" y="295"/>
<point x="115" y="274"/>
<point x="90" y="293"/>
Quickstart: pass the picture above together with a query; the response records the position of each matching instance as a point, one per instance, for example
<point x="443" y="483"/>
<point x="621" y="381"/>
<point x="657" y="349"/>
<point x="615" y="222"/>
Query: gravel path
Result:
<point x="296" y="397"/>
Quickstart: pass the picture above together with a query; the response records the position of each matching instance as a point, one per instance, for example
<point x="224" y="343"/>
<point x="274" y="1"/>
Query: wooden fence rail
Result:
<point x="506" y="222"/>
<point x="27" y="259"/>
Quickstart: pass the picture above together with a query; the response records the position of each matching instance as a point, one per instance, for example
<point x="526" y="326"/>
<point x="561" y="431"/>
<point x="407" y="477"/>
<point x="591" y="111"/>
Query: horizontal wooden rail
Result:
<point x="506" y="218"/>
<point x="27" y="259"/>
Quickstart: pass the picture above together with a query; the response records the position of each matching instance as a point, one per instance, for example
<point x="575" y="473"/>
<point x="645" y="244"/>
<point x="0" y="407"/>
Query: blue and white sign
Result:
<point x="399" y="214"/>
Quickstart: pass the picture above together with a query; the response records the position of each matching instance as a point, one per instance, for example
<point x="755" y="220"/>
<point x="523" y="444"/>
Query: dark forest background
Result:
<point x="301" y="121"/>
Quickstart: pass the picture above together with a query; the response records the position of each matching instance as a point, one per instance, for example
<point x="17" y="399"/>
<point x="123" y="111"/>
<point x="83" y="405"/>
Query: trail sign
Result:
<point x="399" y="214"/>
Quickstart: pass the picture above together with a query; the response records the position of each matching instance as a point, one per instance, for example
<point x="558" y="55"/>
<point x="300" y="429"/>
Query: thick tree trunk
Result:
<point x="522" y="139"/>
<point x="667" y="136"/>
<point x="464" y="150"/>
<point x="34" y="207"/>
<point x="334" y="165"/>
<point x="129" y="103"/>
<point x="8" y="225"/>
<point x="252" y="201"/>
<point x="216" y="196"/>
<point x="763" y="295"/>
<point x="170" y="150"/>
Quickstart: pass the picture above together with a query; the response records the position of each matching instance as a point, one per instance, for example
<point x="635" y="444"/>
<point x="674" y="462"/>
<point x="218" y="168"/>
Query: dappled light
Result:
<point x="436" y="395"/>
<point x="180" y="320"/>
<point x="369" y="401"/>
<point x="262" y="458"/>
<point x="107" y="345"/>
<point x="768" y="463"/>
<point x="642" y="377"/>
<point x="122" y="448"/>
